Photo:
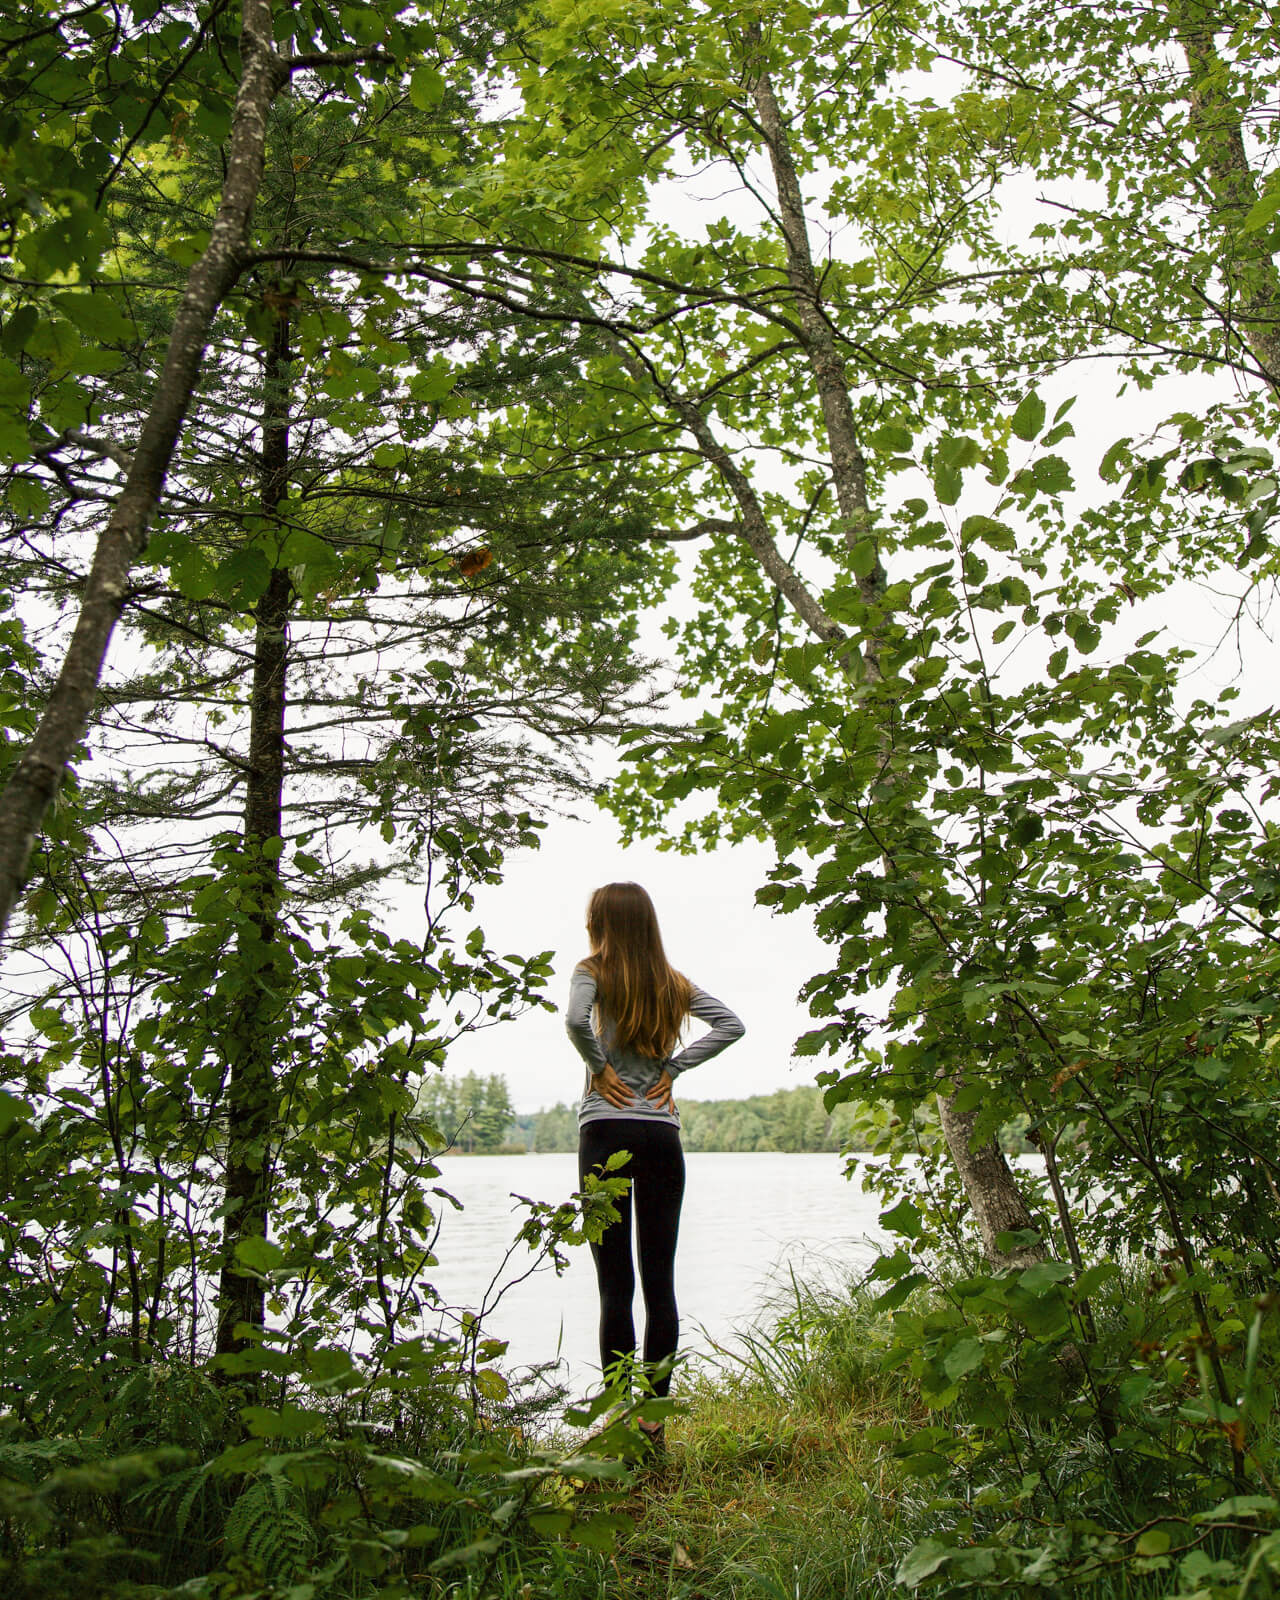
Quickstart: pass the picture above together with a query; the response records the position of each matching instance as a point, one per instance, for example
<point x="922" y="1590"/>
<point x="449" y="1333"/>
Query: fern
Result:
<point x="171" y="1499"/>
<point x="265" y="1527"/>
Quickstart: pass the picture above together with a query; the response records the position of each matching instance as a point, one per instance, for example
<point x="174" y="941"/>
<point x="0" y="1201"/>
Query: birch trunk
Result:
<point x="36" y="777"/>
<point x="1250" y="271"/>
<point x="996" y="1200"/>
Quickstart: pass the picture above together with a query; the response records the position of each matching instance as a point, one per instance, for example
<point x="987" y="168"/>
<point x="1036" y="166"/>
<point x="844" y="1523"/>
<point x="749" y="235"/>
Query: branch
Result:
<point x="34" y="779"/>
<point x="308" y="60"/>
<point x="103" y="449"/>
<point x="698" y="531"/>
<point x="178" y="67"/>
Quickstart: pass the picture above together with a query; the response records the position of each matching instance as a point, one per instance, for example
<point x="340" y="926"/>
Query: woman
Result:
<point x="640" y="1004"/>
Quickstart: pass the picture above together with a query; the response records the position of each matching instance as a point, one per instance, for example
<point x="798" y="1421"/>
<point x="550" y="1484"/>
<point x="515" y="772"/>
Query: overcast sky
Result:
<point x="742" y="953"/>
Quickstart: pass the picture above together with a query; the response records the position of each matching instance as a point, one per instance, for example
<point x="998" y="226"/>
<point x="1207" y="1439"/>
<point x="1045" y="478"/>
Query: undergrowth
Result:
<point x="843" y="1450"/>
<point x="808" y="1466"/>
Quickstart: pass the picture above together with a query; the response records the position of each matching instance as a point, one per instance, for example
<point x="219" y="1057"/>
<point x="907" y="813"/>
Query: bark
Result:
<point x="37" y="775"/>
<point x="1251" y="273"/>
<point x="992" y="1191"/>
<point x="848" y="464"/>
<point x="753" y="526"/>
<point x="996" y="1200"/>
<point x="251" y="1031"/>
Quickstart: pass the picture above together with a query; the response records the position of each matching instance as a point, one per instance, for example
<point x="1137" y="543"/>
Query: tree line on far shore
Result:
<point x="475" y="1115"/>
<point x="787" y="1119"/>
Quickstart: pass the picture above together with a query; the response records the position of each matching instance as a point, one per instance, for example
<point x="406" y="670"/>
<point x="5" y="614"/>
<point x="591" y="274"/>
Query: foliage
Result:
<point x="931" y="646"/>
<point x="218" y="1077"/>
<point x="815" y="1461"/>
<point x="933" y="658"/>
<point x="412" y="1461"/>
<point x="221" y="1067"/>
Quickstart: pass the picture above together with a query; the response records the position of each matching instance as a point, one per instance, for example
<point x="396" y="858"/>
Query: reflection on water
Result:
<point x="748" y="1220"/>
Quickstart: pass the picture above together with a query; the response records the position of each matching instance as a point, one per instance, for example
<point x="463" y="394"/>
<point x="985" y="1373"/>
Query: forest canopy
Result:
<point x="373" y="380"/>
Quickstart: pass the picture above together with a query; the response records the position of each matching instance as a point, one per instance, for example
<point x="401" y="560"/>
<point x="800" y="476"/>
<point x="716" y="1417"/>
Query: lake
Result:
<point x="748" y="1221"/>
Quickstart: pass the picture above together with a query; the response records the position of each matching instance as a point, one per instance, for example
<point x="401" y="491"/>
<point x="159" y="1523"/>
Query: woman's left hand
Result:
<point x="661" y="1094"/>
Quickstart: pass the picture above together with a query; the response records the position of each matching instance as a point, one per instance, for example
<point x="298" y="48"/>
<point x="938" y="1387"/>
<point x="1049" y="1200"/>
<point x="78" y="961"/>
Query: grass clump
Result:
<point x="776" y="1480"/>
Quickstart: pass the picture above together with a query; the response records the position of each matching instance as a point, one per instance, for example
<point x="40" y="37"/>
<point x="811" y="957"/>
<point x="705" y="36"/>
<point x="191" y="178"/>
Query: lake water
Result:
<point x="748" y="1222"/>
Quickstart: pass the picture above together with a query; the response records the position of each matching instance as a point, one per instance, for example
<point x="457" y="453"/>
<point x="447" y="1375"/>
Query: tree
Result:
<point x="358" y="625"/>
<point x="471" y="1112"/>
<point x="34" y="780"/>
<point x="874" y="729"/>
<point x="776" y="306"/>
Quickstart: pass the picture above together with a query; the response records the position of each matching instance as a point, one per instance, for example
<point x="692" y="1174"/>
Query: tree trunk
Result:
<point x="848" y="464"/>
<point x="996" y="1200"/>
<point x="35" y="779"/>
<point x="997" y="1203"/>
<point x="252" y="1031"/>
<point x="1251" y="274"/>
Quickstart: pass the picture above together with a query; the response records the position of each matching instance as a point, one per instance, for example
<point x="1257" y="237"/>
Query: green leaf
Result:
<point x="1154" y="1542"/>
<point x="492" y="1385"/>
<point x="1093" y="1278"/>
<point x="550" y="1523"/>
<point x="290" y="1422"/>
<point x="601" y="1532"/>
<point x="891" y="439"/>
<point x="1087" y="637"/>
<point x="947" y="483"/>
<point x="194" y="575"/>
<point x="18" y="329"/>
<point x="904" y="1218"/>
<point x="96" y="315"/>
<point x="434" y="382"/>
<point x="1042" y="1277"/>
<point x="996" y="534"/>
<point x="922" y="1561"/>
<point x="13" y="1110"/>
<point x="1109" y="468"/>
<point x="257" y="1253"/>
<point x="896" y="1293"/>
<point x="1240" y="1505"/>
<point x="303" y="549"/>
<point x="426" y="87"/>
<point x="1262" y="211"/>
<point x="243" y="576"/>
<point x="1028" y="419"/>
<point x="964" y="1356"/>
<point x="862" y="558"/>
<point x="1052" y="474"/>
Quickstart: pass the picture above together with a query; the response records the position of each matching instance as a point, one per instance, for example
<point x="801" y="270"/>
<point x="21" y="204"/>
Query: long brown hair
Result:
<point x="645" y="996"/>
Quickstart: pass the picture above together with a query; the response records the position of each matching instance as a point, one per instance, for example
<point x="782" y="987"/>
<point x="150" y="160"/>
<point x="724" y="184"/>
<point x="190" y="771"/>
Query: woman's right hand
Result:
<point x="609" y="1086"/>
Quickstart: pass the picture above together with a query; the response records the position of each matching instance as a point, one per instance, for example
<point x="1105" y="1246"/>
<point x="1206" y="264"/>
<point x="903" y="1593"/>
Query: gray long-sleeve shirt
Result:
<point x="638" y="1072"/>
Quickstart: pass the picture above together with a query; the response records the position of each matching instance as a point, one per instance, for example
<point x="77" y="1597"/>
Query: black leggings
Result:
<point x="656" y="1170"/>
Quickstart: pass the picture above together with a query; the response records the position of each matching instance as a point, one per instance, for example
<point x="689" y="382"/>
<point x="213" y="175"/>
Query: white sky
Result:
<point x="744" y="954"/>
